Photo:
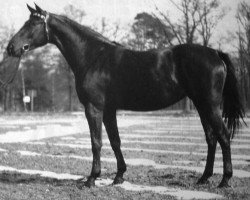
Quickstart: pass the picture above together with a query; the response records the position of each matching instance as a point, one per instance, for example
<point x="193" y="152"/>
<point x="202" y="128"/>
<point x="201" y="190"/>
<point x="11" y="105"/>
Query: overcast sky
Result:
<point x="14" y="12"/>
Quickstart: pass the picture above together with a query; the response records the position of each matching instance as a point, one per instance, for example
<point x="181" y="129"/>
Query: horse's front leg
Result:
<point x="94" y="117"/>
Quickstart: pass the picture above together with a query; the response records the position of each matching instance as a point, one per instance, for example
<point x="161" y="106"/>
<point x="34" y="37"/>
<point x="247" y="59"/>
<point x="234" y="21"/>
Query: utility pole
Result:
<point x="23" y="87"/>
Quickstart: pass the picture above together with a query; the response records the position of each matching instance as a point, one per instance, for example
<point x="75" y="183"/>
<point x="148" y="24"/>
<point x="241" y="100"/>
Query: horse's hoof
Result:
<point x="118" y="180"/>
<point x="224" y="184"/>
<point x="89" y="183"/>
<point x="80" y="185"/>
<point x="202" y="181"/>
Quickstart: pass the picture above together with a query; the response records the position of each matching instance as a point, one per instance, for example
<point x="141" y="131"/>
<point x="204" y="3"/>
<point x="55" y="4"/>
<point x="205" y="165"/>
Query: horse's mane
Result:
<point x="80" y="29"/>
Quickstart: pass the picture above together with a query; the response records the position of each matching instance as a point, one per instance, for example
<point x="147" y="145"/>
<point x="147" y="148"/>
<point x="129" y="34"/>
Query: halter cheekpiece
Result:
<point x="45" y="19"/>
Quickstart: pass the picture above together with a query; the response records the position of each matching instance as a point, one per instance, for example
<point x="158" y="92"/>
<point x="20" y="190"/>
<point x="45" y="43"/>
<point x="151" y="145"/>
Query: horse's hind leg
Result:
<point x="214" y="118"/>
<point x="224" y="141"/>
<point x="110" y="122"/>
<point x="211" y="142"/>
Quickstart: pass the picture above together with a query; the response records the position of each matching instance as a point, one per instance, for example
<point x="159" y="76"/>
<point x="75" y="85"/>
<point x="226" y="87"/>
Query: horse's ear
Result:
<point x="38" y="9"/>
<point x="32" y="10"/>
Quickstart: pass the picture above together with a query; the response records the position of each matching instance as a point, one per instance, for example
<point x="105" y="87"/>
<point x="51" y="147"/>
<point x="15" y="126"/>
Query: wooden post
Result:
<point x="23" y="86"/>
<point x="32" y="101"/>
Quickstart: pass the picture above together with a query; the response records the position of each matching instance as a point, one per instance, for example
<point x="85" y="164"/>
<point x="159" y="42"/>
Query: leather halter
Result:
<point x="45" y="19"/>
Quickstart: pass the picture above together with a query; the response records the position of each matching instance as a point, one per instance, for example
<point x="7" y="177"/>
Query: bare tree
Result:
<point x="111" y="30"/>
<point x="198" y="20"/>
<point x="243" y="34"/>
<point x="74" y="13"/>
<point x="149" y="33"/>
<point x="209" y="19"/>
<point x="7" y="93"/>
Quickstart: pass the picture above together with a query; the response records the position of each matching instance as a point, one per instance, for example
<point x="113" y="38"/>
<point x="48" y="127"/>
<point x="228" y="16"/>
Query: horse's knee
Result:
<point x="96" y="145"/>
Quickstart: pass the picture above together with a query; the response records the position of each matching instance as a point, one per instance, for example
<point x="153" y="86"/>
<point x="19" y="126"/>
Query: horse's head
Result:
<point x="33" y="34"/>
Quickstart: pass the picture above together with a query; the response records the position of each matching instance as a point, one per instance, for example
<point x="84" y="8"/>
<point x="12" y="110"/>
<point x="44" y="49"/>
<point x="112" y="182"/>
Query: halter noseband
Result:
<point x="45" y="19"/>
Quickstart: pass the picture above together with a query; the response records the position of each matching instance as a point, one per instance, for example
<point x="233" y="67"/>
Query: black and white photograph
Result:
<point x="124" y="99"/>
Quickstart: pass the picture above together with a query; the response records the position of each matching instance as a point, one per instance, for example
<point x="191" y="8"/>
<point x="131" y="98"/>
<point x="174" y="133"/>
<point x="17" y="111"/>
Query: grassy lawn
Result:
<point x="161" y="139"/>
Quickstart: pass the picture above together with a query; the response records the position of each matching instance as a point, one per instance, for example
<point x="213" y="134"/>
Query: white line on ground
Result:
<point x="216" y="163"/>
<point x="189" y="130"/>
<point x="178" y="193"/>
<point x="55" y="130"/>
<point x="241" y="141"/>
<point x="88" y="146"/>
<point x="49" y="129"/>
<point x="236" y="172"/>
<point x="8" y="126"/>
<point x="157" y="136"/>
<point x="37" y="121"/>
<point x="3" y="150"/>
<point x="68" y="138"/>
<point x="38" y="134"/>
<point x="160" y="141"/>
<point x="176" y="136"/>
<point x="143" y="162"/>
<point x="106" y="141"/>
<point x="41" y="173"/>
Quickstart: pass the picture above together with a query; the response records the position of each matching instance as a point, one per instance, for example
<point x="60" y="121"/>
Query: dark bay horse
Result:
<point x="109" y="77"/>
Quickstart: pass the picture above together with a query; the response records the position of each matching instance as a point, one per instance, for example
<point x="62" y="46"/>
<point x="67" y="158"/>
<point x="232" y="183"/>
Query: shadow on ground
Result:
<point x="17" y="178"/>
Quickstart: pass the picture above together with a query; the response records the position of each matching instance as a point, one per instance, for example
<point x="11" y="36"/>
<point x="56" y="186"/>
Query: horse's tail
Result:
<point x="233" y="109"/>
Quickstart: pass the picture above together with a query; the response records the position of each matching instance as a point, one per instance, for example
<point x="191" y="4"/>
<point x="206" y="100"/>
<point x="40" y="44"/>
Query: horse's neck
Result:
<point x="72" y="45"/>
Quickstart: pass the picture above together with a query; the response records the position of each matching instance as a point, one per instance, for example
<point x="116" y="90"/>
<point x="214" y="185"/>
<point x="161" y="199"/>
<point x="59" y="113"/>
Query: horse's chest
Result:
<point x="91" y="90"/>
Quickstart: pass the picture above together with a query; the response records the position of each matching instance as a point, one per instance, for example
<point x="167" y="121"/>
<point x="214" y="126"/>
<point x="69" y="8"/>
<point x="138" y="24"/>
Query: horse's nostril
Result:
<point x="10" y="49"/>
<point x="26" y="47"/>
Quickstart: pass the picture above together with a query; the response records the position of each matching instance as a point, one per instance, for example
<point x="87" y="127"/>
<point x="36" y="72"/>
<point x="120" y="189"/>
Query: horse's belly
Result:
<point x="150" y="100"/>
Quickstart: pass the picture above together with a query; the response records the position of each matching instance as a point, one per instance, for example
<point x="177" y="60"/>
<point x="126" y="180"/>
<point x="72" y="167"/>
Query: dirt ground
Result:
<point x="43" y="155"/>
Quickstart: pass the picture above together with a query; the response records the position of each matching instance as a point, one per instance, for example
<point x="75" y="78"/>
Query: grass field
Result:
<point x="43" y="155"/>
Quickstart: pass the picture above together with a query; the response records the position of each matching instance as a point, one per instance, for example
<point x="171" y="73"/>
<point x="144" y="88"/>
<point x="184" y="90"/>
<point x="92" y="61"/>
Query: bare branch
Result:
<point x="172" y="26"/>
<point x="164" y="31"/>
<point x="176" y="5"/>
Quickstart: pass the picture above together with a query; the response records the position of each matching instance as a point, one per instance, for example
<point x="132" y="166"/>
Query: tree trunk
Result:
<point x="5" y="99"/>
<point x="53" y="93"/>
<point x="70" y="98"/>
<point x="70" y="108"/>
